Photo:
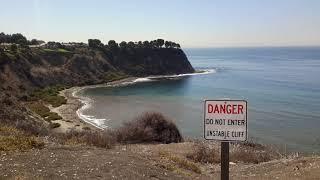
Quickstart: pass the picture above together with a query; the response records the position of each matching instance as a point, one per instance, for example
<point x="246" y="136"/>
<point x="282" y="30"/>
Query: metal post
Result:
<point x="224" y="160"/>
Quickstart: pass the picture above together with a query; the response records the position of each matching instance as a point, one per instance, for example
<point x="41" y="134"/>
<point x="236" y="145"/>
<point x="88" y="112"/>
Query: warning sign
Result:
<point x="225" y="120"/>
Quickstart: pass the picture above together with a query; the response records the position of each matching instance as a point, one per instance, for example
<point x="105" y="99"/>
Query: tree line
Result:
<point x="18" y="38"/>
<point x="112" y="44"/>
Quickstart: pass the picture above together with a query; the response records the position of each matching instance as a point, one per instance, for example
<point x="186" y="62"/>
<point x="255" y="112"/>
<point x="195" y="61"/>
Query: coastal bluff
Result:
<point x="38" y="67"/>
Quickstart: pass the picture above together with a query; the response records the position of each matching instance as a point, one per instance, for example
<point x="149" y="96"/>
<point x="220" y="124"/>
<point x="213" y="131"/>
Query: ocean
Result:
<point x="281" y="85"/>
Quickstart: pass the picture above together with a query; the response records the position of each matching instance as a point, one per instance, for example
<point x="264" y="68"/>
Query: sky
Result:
<point x="192" y="23"/>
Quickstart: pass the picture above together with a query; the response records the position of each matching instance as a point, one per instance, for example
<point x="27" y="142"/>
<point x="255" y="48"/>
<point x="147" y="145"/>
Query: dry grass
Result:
<point x="91" y="138"/>
<point x="147" y="128"/>
<point x="180" y="162"/>
<point x="248" y="152"/>
<point x="204" y="153"/>
<point x="12" y="139"/>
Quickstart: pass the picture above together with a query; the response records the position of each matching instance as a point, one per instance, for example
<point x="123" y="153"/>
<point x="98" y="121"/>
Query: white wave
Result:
<point x="142" y="80"/>
<point x="87" y="103"/>
<point x="207" y="71"/>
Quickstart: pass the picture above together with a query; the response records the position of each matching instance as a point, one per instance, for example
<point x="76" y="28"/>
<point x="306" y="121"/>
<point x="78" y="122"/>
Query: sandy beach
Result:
<point x="70" y="120"/>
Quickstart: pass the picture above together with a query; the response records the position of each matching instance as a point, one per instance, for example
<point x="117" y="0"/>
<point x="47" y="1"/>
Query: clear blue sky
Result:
<point x="192" y="23"/>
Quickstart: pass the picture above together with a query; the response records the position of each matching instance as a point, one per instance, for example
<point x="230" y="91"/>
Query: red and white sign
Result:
<point x="225" y="120"/>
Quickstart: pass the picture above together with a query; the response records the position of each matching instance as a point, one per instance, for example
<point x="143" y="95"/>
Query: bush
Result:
<point x="149" y="127"/>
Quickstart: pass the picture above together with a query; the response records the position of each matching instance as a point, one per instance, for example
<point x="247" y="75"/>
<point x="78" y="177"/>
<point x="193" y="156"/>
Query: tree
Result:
<point x="2" y="37"/>
<point x="160" y="43"/>
<point x="94" y="43"/>
<point x="34" y="42"/>
<point x="113" y="45"/>
<point x="14" y="48"/>
<point x="131" y="44"/>
<point x="123" y="45"/>
<point x="167" y="44"/>
<point x="146" y="44"/>
<point x="154" y="44"/>
<point x="18" y="39"/>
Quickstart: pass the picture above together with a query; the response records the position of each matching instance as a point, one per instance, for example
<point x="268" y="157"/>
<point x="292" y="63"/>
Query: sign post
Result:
<point x="226" y="121"/>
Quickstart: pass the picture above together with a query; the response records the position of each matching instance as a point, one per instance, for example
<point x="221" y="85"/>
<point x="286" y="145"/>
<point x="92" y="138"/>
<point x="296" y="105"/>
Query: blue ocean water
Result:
<point x="281" y="85"/>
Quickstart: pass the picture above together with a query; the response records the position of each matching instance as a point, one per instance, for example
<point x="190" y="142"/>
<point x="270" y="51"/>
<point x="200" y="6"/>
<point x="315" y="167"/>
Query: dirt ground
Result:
<point x="140" y="162"/>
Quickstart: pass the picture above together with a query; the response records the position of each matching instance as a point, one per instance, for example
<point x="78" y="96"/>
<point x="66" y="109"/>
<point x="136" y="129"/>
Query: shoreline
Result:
<point x="69" y="111"/>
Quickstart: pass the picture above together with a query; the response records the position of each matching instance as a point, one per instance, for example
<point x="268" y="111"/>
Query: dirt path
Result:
<point x="140" y="162"/>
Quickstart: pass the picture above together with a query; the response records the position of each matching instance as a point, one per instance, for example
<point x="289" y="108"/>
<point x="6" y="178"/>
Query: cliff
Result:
<point x="24" y="70"/>
<point x="84" y="66"/>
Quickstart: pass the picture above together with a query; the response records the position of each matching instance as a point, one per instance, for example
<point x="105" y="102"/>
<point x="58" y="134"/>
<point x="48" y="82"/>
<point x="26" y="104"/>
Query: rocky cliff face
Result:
<point x="39" y="68"/>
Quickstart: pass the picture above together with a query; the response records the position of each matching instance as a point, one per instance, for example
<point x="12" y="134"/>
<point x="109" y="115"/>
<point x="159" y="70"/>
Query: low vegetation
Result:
<point x="149" y="127"/>
<point x="43" y="111"/>
<point x="248" y="152"/>
<point x="39" y="99"/>
<point x="12" y="139"/>
<point x="49" y="95"/>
